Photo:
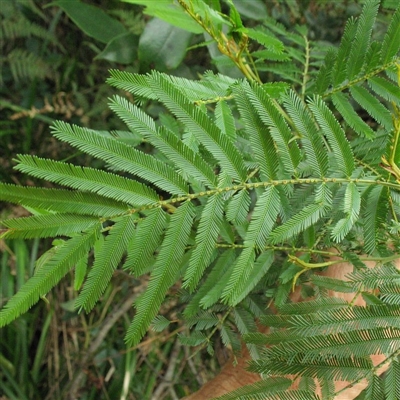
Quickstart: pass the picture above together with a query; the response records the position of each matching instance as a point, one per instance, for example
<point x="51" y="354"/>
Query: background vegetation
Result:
<point x="54" y="65"/>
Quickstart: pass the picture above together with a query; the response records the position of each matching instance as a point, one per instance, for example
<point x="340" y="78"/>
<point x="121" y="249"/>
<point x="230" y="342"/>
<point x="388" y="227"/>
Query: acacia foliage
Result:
<point x="245" y="173"/>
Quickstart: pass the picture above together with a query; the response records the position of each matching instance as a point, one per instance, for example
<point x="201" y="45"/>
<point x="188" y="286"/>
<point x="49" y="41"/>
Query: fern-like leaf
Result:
<point x="210" y="290"/>
<point x="351" y="206"/>
<point x="260" y="138"/>
<point x="135" y="118"/>
<point x="238" y="208"/>
<point x="342" y="320"/>
<point x="47" y="226"/>
<point x="392" y="379"/>
<point x="287" y="149"/>
<point x="308" y="216"/>
<point x="373" y="106"/>
<point x="337" y="139"/>
<point x="201" y="126"/>
<point x="225" y="120"/>
<point x="385" y="89"/>
<point x="48" y="275"/>
<point x="324" y="76"/>
<point x="61" y="201"/>
<point x="261" y="267"/>
<point x="310" y="137"/>
<point x="261" y="224"/>
<point x="258" y="390"/>
<point x="374" y="278"/>
<point x="27" y="65"/>
<point x="134" y="83"/>
<point x="88" y="179"/>
<point x="145" y="242"/>
<point x="350" y="368"/>
<point x="346" y="110"/>
<point x="391" y="43"/>
<point x="360" y="343"/>
<point x="106" y="260"/>
<point x="188" y="161"/>
<point x="361" y="41"/>
<point x="375" y="208"/>
<point x="339" y="71"/>
<point x="121" y="156"/>
<point x="175" y="149"/>
<point x="164" y="273"/>
<point x="374" y="390"/>
<point x="80" y="272"/>
<point x="207" y="234"/>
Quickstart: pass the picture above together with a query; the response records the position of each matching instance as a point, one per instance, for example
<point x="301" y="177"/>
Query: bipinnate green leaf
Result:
<point x="324" y="76"/>
<point x="311" y="139"/>
<point x="372" y="106"/>
<point x="375" y="209"/>
<point x="88" y="179"/>
<point x="374" y="390"/>
<point x="121" y="156"/>
<point x="347" y="111"/>
<point x="237" y="209"/>
<point x="324" y="322"/>
<point x="80" y="272"/>
<point x="281" y="178"/>
<point x="61" y="201"/>
<point x="46" y="277"/>
<point x="47" y="226"/>
<point x="261" y="388"/>
<point x="361" y="41"/>
<point x="339" y="71"/>
<point x="307" y="216"/>
<point x="106" y="260"/>
<point x="196" y="338"/>
<point x="206" y="238"/>
<point x="336" y="285"/>
<point x="334" y="133"/>
<point x="287" y="148"/>
<point x="392" y="381"/>
<point x="260" y="137"/>
<point x="203" y="320"/>
<point x="391" y="43"/>
<point x="351" y="206"/>
<point x="358" y="343"/>
<point x="266" y="38"/>
<point x="134" y="83"/>
<point x="225" y="120"/>
<point x="185" y="158"/>
<point x="350" y="368"/>
<point x="385" y="89"/>
<point x="145" y="242"/>
<point x="263" y="218"/>
<point x="164" y="272"/>
<point x="200" y="125"/>
<point x="230" y="338"/>
<point x="133" y="116"/>
<point x="208" y="293"/>
<point x="261" y="225"/>
<point x="160" y="323"/>
<point x="261" y="266"/>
